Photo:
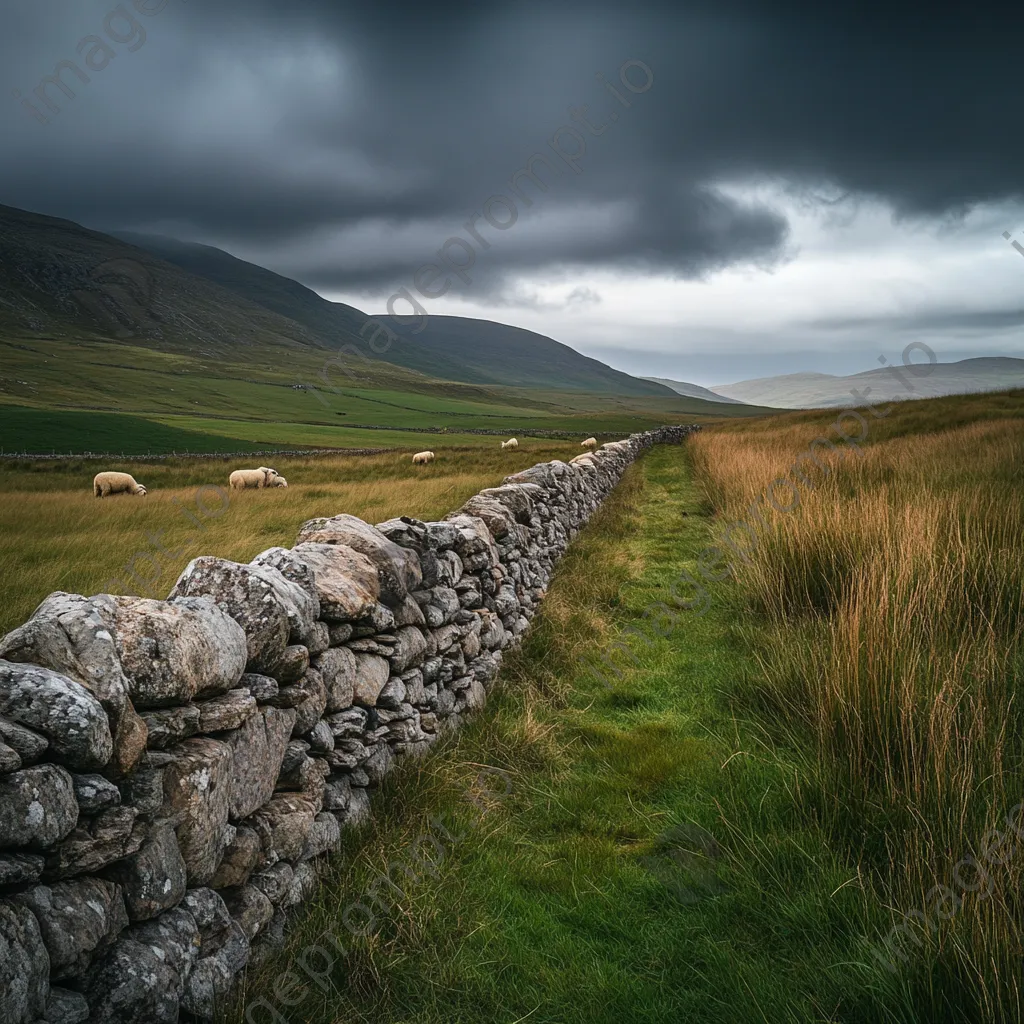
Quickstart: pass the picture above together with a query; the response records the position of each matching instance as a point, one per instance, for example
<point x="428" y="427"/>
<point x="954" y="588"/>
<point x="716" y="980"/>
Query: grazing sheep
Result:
<point x="277" y="481"/>
<point x="591" y="442"/>
<point x="115" y="483"/>
<point x="510" y="443"/>
<point x="243" y="478"/>
<point x="422" y="458"/>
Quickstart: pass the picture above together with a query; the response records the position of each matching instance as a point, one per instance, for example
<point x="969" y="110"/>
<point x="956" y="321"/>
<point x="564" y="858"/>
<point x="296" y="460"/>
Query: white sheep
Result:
<point x="422" y="458"/>
<point x="591" y="442"/>
<point x="277" y="481"/>
<point x="240" y="479"/>
<point x="115" y="483"/>
<point x="510" y="443"/>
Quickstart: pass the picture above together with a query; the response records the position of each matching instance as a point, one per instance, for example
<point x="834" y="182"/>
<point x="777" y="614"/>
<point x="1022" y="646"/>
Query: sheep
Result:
<point x="422" y="458"/>
<point x="510" y="443"/>
<point x="116" y="483"/>
<point x="591" y="442"/>
<point x="240" y="479"/>
<point x="277" y="481"/>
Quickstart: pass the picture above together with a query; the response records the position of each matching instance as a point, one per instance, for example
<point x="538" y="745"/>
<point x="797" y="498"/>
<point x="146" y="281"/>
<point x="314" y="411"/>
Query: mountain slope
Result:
<point x="693" y="390"/>
<point x="813" y="390"/>
<point x="59" y="279"/>
<point x="452" y="348"/>
<point x="494" y="353"/>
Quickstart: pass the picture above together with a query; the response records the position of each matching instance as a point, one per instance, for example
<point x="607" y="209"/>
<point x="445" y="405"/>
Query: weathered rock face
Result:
<point x="132" y="983"/>
<point x="249" y="594"/>
<point x="299" y="596"/>
<point x="75" y="919"/>
<point x="24" y="966"/>
<point x="347" y="583"/>
<point x="74" y="636"/>
<point x="372" y="672"/>
<point x="257" y="750"/>
<point x="148" y="853"/>
<point x="65" y="712"/>
<point x="37" y="807"/>
<point x="338" y="668"/>
<point x="197" y="792"/>
<point x="153" y="878"/>
<point x="177" y="651"/>
<point x="398" y="567"/>
<point x="96" y="842"/>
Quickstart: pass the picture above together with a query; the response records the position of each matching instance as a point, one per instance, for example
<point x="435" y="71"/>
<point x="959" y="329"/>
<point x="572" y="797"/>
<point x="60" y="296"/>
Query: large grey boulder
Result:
<point x="498" y="518"/>
<point x="372" y="674"/>
<point x="249" y="594"/>
<point x="284" y="824"/>
<point x="407" y="532"/>
<point x="96" y="842"/>
<point x="410" y="650"/>
<point x="74" y="636"/>
<point x="347" y="582"/>
<point x="177" y="651"/>
<point x="338" y="667"/>
<point x="37" y="807"/>
<point x="197" y="793"/>
<point x="62" y="710"/>
<point x="24" y="966"/>
<point x="298" y="593"/>
<point x="131" y="983"/>
<point x="153" y="878"/>
<point x="76" y="919"/>
<point x="257" y="750"/>
<point x="399" y="567"/>
<point x="473" y="538"/>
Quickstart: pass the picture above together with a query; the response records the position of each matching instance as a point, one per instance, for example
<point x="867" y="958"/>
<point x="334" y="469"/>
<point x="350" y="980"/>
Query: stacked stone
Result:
<point x="170" y="770"/>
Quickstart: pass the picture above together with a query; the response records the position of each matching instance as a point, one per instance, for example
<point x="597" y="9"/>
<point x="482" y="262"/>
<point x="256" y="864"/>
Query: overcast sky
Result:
<point x="804" y="189"/>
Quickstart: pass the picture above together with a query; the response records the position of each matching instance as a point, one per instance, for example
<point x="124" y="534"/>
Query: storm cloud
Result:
<point x="344" y="143"/>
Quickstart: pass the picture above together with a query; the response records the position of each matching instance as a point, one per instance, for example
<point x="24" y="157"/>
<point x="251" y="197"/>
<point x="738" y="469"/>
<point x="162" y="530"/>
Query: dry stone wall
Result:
<point x="169" y="770"/>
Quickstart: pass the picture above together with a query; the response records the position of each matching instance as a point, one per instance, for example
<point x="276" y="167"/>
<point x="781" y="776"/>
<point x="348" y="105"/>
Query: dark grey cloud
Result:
<point x="300" y="128"/>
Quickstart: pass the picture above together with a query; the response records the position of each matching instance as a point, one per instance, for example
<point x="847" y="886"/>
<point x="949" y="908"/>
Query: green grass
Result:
<point x="254" y="395"/>
<point x="44" y="431"/>
<point x="648" y="865"/>
<point x="56" y="536"/>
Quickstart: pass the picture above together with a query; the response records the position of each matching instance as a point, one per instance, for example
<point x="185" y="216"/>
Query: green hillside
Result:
<point x="450" y="347"/>
<point x="54" y="431"/>
<point x="153" y="357"/>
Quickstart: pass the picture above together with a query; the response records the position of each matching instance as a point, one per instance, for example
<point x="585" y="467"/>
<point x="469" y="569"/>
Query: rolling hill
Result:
<point x="187" y="337"/>
<point x="816" y="390"/>
<point x="453" y="348"/>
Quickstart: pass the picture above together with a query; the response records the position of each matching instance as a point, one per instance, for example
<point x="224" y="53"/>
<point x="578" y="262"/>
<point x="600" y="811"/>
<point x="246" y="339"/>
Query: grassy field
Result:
<point x="54" y="535"/>
<point x="892" y="594"/>
<point x="718" y="813"/>
<point x="646" y="864"/>
<point x="96" y="390"/>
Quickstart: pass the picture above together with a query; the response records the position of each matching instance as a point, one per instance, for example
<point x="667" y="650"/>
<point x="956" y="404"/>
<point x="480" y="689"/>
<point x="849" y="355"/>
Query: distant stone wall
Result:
<point x="169" y="769"/>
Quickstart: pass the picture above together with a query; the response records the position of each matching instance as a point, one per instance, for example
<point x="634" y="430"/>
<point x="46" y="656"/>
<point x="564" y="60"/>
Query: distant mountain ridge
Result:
<point x="693" y="390"/>
<point x="817" y="390"/>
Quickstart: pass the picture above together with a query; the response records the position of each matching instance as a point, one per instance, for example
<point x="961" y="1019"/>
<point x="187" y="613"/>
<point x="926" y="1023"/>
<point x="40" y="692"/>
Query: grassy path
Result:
<point x="645" y="864"/>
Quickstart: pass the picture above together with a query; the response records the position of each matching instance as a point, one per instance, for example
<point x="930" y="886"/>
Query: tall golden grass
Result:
<point x="54" y="535"/>
<point x="893" y="593"/>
